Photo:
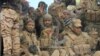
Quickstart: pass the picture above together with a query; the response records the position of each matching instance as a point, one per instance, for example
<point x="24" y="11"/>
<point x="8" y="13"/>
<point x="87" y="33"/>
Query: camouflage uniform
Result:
<point x="92" y="19"/>
<point x="77" y="44"/>
<point x="56" y="9"/>
<point x="10" y="31"/>
<point x="46" y="35"/>
<point x="48" y="38"/>
<point x="39" y="12"/>
<point x="45" y="40"/>
<point x="60" y="47"/>
<point x="27" y="40"/>
<point x="89" y="4"/>
<point x="92" y="14"/>
<point x="48" y="42"/>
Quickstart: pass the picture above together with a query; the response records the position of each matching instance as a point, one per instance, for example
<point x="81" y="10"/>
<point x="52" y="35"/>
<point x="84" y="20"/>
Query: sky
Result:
<point x="34" y="3"/>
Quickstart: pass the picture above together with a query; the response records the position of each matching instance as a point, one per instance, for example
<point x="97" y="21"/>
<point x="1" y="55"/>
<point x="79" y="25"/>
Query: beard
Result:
<point x="47" y="25"/>
<point x="77" y="33"/>
<point x="30" y="30"/>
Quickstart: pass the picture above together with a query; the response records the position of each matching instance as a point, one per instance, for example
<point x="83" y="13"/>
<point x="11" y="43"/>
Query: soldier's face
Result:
<point x="31" y="10"/>
<point x="77" y="30"/>
<point x="42" y="6"/>
<point x="47" y="22"/>
<point x="30" y="26"/>
<point x="66" y="15"/>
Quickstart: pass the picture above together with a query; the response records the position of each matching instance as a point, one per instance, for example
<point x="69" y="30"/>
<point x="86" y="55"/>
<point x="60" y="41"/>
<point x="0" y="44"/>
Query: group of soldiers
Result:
<point x="62" y="30"/>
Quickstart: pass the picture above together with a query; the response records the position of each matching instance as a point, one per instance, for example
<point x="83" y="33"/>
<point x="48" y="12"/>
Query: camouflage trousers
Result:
<point x="11" y="41"/>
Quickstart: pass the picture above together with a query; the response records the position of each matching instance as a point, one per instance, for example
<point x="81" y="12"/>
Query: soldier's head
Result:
<point x="76" y="26"/>
<point x="29" y="25"/>
<point x="31" y="10"/>
<point x="66" y="14"/>
<point x="47" y="20"/>
<point x="42" y="5"/>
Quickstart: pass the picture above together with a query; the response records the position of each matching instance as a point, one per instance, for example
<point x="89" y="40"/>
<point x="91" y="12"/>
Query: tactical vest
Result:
<point x="79" y="43"/>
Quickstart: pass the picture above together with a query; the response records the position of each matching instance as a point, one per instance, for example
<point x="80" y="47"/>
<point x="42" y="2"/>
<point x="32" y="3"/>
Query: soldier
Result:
<point x="92" y="5"/>
<point x="56" y="9"/>
<point x="48" y="37"/>
<point x="10" y="29"/>
<point x="53" y="8"/>
<point x="93" y="19"/>
<point x="65" y="19"/>
<point x="39" y="12"/>
<point x="92" y="13"/>
<point x="46" y="34"/>
<point x="29" y="42"/>
<point x="78" y="42"/>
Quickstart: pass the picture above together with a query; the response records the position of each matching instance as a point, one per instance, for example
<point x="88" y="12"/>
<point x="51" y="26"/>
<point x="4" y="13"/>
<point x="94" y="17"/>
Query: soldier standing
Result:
<point x="10" y="29"/>
<point x="39" y="12"/>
